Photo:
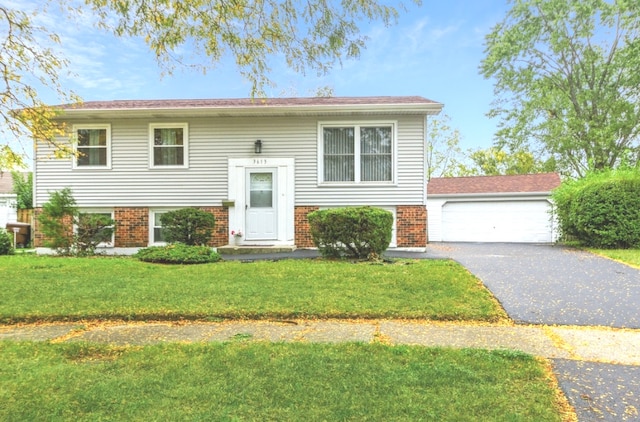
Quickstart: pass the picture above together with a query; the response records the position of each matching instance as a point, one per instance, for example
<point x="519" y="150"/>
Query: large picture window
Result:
<point x="357" y="153"/>
<point x="93" y="146"/>
<point x="169" y="145"/>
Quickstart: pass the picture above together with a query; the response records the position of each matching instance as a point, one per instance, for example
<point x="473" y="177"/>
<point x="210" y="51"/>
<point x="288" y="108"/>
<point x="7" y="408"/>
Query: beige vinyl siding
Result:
<point x="212" y="141"/>
<point x="409" y="187"/>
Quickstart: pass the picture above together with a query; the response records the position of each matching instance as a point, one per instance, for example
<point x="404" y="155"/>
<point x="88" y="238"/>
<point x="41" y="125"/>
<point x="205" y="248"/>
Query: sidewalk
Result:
<point x="589" y="344"/>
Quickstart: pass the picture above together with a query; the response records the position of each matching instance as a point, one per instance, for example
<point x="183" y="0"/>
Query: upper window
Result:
<point x="93" y="146"/>
<point x="169" y="144"/>
<point x="357" y="153"/>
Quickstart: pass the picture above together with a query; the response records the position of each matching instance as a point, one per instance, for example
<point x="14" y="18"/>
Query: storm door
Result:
<point x="261" y="210"/>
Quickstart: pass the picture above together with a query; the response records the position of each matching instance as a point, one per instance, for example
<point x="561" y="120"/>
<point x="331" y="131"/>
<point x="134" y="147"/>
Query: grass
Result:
<point x="41" y="288"/>
<point x="242" y="381"/>
<point x="627" y="256"/>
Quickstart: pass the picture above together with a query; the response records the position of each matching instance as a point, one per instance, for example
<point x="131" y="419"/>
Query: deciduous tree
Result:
<point x="494" y="161"/>
<point x="567" y="81"/>
<point x="28" y="64"/>
<point x="444" y="157"/>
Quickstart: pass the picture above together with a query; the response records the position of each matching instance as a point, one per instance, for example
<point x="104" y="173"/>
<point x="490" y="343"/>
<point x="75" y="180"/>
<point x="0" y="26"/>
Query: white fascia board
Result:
<point x="488" y="196"/>
<point x="310" y="110"/>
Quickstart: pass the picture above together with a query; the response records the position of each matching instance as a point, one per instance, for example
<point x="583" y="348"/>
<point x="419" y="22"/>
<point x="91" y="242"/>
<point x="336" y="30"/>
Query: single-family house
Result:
<point x="514" y="208"/>
<point x="7" y="200"/>
<point x="259" y="165"/>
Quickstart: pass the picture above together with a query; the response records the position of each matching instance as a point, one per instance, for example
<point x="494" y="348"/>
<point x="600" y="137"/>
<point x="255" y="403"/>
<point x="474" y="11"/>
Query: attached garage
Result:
<point x="492" y="209"/>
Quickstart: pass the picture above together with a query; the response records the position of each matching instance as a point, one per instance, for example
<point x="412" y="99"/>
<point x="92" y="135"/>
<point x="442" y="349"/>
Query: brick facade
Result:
<point x="220" y="235"/>
<point x="411" y="226"/>
<point x="132" y="227"/>
<point x="302" y="232"/>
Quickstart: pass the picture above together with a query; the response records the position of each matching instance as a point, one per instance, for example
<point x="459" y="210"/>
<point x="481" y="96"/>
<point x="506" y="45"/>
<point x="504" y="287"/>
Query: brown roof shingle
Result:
<point x="520" y="183"/>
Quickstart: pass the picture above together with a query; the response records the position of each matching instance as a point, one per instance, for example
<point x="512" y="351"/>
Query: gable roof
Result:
<point x="520" y="183"/>
<point x="254" y="106"/>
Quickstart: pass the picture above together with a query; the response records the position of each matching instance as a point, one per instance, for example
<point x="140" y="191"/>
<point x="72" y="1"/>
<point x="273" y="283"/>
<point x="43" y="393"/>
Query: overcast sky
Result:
<point x="434" y="51"/>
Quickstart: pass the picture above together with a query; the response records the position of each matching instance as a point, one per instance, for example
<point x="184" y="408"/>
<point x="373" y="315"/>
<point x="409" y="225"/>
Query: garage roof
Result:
<point x="520" y="183"/>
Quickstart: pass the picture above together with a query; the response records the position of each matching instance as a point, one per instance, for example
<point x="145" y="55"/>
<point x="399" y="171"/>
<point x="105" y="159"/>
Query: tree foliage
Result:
<point x="566" y="78"/>
<point x="310" y="36"/>
<point x="444" y="157"/>
<point x="69" y="231"/>
<point x="23" y="188"/>
<point x="26" y="68"/>
<point x="496" y="161"/>
<point x="56" y="221"/>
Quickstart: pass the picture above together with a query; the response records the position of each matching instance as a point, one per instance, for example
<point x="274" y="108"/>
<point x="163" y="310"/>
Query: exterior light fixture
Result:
<point x="258" y="146"/>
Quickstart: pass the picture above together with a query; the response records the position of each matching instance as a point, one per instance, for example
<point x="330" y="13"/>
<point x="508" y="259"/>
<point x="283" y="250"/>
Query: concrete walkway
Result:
<point x="591" y="344"/>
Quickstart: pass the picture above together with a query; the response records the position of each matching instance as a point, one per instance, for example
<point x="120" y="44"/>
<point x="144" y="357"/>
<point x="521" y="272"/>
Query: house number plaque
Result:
<point x="259" y="161"/>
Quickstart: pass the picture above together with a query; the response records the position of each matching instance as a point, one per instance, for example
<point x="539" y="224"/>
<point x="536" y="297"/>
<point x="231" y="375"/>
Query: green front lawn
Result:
<point x="628" y="256"/>
<point x="41" y="288"/>
<point x="240" y="381"/>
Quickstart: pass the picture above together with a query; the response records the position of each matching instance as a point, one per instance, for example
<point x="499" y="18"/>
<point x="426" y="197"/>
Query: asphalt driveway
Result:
<point x="549" y="284"/>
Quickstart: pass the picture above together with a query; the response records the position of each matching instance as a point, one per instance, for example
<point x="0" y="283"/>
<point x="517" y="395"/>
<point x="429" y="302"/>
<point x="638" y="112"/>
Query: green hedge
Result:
<point x="190" y="226"/>
<point x="601" y="210"/>
<point x="6" y="242"/>
<point x="178" y="253"/>
<point x="356" y="232"/>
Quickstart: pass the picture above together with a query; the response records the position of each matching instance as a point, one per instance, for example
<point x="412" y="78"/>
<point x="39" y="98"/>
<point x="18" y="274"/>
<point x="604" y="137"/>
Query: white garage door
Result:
<point x="497" y="221"/>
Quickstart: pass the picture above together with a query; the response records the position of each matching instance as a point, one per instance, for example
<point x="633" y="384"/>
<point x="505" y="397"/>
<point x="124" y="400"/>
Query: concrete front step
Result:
<point x="245" y="250"/>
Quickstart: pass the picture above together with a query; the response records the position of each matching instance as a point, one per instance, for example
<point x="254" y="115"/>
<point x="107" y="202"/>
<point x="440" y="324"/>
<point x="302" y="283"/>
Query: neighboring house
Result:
<point x="492" y="208"/>
<point x="8" y="200"/>
<point x="260" y="166"/>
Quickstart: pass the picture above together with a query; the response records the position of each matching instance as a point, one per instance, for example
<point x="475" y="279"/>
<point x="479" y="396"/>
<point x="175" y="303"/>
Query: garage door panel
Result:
<point x="497" y="221"/>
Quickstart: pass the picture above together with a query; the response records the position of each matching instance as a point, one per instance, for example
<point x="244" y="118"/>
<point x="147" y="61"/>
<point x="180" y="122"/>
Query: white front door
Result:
<point x="261" y="206"/>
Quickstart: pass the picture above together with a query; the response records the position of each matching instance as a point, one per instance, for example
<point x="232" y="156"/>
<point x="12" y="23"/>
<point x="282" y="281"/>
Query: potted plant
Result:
<point x="237" y="235"/>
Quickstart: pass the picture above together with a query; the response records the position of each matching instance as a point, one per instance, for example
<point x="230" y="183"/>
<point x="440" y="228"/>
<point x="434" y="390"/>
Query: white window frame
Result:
<point x="356" y="125"/>
<point x="78" y="127"/>
<point x="100" y="211"/>
<point x="152" y="226"/>
<point x="185" y="144"/>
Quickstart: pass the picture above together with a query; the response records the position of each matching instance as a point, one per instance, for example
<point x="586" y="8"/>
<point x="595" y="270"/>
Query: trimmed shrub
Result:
<point x="6" y="243"/>
<point x="601" y="210"/>
<point x="92" y="229"/>
<point x="608" y="214"/>
<point x="190" y="226"/>
<point x="178" y="253"/>
<point x="60" y="216"/>
<point x="355" y="232"/>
